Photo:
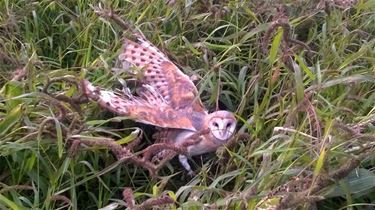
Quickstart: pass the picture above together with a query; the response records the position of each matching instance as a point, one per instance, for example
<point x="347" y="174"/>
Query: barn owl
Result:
<point x="167" y="99"/>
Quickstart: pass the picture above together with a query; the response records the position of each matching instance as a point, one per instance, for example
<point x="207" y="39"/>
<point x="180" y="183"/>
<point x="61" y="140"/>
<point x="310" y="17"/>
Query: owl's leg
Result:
<point x="184" y="162"/>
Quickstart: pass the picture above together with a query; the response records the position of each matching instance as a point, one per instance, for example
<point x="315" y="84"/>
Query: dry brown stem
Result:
<point x="309" y="194"/>
<point x="109" y="14"/>
<point x="147" y="204"/>
<point x="16" y="187"/>
<point x="61" y="198"/>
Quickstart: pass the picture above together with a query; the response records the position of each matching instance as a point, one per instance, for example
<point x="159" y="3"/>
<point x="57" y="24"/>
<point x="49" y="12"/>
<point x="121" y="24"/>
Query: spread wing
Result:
<point x="149" y="109"/>
<point x="175" y="87"/>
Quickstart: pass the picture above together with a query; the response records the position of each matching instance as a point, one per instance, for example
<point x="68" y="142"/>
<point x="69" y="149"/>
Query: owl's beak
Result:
<point x="222" y="132"/>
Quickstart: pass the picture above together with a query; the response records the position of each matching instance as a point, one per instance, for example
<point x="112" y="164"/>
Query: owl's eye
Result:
<point x="229" y="124"/>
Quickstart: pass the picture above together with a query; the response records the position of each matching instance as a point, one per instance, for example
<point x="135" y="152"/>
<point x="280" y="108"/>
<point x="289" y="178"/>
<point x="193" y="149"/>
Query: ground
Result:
<point x="299" y="76"/>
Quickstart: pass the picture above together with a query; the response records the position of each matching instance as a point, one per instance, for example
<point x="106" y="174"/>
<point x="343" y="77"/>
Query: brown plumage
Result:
<point x="167" y="99"/>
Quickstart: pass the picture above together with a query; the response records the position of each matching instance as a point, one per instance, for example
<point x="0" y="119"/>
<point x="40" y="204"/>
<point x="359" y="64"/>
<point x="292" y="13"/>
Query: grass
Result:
<point x="307" y="117"/>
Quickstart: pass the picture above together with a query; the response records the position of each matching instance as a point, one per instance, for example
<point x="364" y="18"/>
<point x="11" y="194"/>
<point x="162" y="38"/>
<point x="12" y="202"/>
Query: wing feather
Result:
<point x="150" y="109"/>
<point x="160" y="73"/>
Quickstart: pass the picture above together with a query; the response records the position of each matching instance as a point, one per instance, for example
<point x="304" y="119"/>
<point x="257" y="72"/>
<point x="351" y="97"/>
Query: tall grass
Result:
<point x="303" y="123"/>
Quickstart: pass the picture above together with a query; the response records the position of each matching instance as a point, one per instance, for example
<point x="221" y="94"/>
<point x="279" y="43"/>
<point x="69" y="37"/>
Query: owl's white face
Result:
<point x="222" y="125"/>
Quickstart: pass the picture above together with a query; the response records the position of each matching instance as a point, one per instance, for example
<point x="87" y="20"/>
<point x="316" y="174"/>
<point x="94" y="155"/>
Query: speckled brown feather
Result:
<point x="162" y="135"/>
<point x="153" y="110"/>
<point x="159" y="72"/>
<point x="168" y="99"/>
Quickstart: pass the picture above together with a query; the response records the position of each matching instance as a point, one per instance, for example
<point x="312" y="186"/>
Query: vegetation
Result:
<point x="299" y="75"/>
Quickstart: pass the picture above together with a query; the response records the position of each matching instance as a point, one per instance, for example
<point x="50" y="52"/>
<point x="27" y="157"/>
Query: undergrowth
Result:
<point x="299" y="76"/>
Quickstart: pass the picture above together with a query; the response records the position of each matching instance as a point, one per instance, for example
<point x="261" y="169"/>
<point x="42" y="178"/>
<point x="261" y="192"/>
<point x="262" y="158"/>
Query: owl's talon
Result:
<point x="184" y="162"/>
<point x="191" y="174"/>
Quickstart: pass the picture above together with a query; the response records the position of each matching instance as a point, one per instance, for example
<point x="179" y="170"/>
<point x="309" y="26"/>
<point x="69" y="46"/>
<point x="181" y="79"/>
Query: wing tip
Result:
<point x="90" y="90"/>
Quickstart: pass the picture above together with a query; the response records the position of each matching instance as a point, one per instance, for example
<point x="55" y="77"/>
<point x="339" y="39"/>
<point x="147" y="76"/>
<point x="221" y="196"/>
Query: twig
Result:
<point x="281" y="20"/>
<point x="155" y="148"/>
<point x="74" y="101"/>
<point x="62" y="198"/>
<point x="154" y="202"/>
<point x="128" y="197"/>
<point x="147" y="204"/>
<point x="16" y="187"/>
<point x="309" y="194"/>
<point x="109" y="14"/>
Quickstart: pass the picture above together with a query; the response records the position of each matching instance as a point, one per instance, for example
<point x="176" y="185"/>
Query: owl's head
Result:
<point x="222" y="125"/>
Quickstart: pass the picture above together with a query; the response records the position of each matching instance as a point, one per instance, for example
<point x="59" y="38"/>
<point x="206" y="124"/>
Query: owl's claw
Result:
<point x="191" y="174"/>
<point x="184" y="162"/>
